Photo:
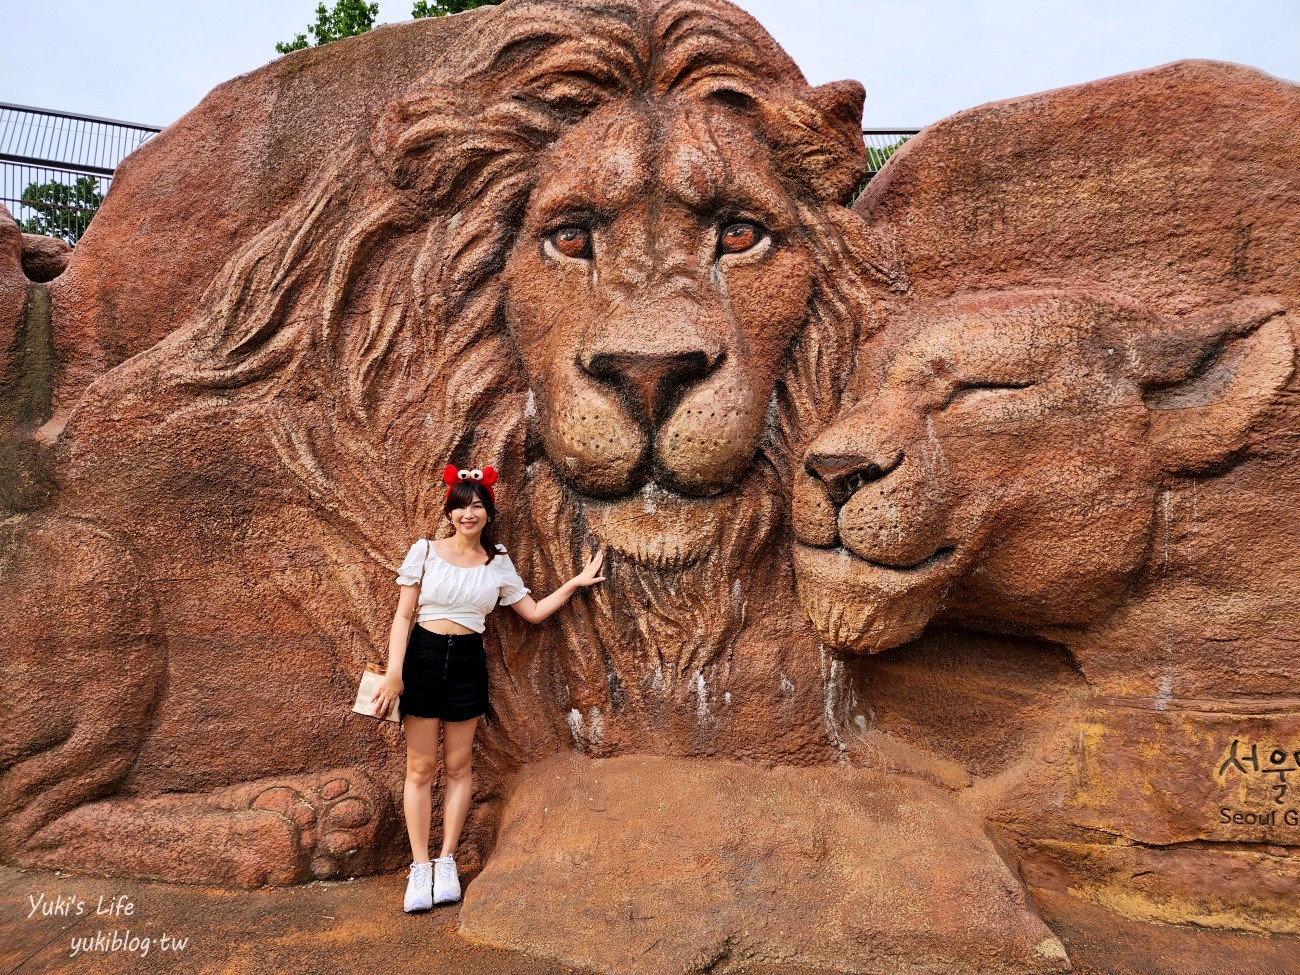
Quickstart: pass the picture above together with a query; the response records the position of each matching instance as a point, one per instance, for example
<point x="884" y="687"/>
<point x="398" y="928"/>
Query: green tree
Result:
<point x="440" y="8"/>
<point x="61" y="209"/>
<point x="347" y="19"/>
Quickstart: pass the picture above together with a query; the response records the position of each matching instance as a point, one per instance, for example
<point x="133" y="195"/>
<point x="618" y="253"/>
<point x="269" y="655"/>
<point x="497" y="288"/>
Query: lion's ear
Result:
<point x="840" y="103"/>
<point x="816" y="135"/>
<point x="1208" y="381"/>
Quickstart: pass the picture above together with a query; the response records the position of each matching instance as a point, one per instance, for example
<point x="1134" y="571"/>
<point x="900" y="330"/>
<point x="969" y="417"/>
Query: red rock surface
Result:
<point x="188" y="199"/>
<point x="731" y="865"/>
<point x="247" y="396"/>
<point x="45" y="258"/>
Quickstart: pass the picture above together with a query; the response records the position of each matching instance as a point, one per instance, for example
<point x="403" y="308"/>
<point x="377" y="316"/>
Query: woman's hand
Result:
<point x="589" y="575"/>
<point x="535" y="612"/>
<point x="385" y="698"/>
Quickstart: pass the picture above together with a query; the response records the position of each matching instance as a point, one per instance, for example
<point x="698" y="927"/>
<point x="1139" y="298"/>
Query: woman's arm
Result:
<point x="534" y="611"/>
<point x="399" y="634"/>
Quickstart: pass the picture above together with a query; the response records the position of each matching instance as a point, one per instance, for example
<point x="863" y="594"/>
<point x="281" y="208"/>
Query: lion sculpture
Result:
<point x="601" y="248"/>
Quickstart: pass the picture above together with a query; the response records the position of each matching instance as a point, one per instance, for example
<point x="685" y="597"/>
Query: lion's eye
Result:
<point x="572" y="241"/>
<point x="739" y="237"/>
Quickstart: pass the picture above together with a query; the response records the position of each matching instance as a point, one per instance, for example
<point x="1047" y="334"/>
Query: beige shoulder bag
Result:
<point x="371" y="678"/>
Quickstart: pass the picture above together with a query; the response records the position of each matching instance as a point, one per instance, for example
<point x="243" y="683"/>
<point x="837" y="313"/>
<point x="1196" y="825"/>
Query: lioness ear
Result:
<point x="1208" y="380"/>
<point x="841" y="102"/>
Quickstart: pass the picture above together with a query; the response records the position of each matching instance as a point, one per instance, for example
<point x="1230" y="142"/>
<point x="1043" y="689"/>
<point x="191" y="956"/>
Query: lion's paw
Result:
<point x="336" y="816"/>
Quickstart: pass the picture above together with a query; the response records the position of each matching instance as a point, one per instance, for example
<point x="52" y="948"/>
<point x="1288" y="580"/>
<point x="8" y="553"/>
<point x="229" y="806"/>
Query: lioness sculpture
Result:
<point x="1007" y="462"/>
<point x="1074" y="467"/>
<point x="1050" y="529"/>
<point x="1054" y="516"/>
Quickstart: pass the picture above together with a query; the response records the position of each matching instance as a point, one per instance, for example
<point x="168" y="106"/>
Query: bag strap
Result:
<point x="417" y="597"/>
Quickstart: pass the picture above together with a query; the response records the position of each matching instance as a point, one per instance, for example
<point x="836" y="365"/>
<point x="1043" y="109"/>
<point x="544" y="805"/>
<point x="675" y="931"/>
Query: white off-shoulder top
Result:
<point x="450" y="592"/>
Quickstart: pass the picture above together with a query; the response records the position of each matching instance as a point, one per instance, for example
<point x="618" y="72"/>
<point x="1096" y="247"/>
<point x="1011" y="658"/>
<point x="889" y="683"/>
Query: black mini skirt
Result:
<point x="444" y="676"/>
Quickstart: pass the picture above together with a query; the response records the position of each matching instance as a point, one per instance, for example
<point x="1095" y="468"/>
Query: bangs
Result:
<point x="463" y="492"/>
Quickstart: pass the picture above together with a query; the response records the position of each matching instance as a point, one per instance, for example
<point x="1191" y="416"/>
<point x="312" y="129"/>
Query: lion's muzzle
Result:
<point x="651" y="384"/>
<point x="873" y="552"/>
<point x="664" y="406"/>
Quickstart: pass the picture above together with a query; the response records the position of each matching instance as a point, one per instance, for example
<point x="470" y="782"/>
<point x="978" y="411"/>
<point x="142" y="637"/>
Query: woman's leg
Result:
<point x="421" y="764"/>
<point x="457" y="749"/>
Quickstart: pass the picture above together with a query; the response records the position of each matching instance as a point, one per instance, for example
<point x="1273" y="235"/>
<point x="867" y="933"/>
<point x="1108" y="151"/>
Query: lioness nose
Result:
<point x="844" y="474"/>
<point x="652" y="383"/>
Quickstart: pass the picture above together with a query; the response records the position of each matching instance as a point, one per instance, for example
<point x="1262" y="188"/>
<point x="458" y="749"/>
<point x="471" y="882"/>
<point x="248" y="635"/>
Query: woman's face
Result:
<point x="470" y="519"/>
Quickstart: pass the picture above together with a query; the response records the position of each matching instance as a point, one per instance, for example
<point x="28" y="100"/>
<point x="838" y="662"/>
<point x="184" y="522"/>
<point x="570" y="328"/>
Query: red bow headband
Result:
<point x="452" y="475"/>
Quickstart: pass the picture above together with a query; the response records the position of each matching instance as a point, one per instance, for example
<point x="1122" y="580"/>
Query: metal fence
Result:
<point x="56" y="166"/>
<point x="883" y="143"/>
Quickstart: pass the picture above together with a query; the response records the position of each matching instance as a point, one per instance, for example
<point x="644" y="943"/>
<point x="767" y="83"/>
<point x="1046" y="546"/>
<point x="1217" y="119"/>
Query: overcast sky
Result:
<point x="152" y="60"/>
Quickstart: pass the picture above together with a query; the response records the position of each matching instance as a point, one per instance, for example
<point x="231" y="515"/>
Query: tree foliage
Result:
<point x="347" y="19"/>
<point x="440" y="8"/>
<point x="62" y="210"/>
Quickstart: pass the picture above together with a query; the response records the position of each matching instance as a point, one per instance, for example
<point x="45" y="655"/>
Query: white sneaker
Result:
<point x="419" y="892"/>
<point x="446" y="882"/>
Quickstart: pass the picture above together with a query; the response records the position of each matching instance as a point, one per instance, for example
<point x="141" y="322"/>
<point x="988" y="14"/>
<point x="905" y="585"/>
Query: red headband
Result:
<point x="453" y="475"/>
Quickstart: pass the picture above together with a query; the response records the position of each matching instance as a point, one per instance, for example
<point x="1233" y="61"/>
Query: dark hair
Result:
<point x="460" y="495"/>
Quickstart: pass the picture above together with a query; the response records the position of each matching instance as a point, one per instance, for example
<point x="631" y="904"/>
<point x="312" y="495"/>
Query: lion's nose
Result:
<point x="652" y="383"/>
<point x="845" y="474"/>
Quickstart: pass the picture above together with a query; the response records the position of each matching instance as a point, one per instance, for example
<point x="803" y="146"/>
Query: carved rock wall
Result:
<point x="255" y="395"/>
<point x="1031" y="403"/>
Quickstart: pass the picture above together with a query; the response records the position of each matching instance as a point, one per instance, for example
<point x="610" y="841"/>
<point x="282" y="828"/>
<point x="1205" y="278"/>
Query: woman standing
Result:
<point x="438" y="671"/>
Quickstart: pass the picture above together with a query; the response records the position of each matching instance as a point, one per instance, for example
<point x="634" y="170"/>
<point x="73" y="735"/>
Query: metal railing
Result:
<point x="881" y="144"/>
<point x="56" y="166"/>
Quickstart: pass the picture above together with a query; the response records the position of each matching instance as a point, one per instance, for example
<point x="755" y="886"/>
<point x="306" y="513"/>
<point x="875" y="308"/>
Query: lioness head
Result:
<point x="1002" y="459"/>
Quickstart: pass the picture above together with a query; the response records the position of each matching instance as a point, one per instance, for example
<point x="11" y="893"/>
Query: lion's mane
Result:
<point x="366" y="322"/>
